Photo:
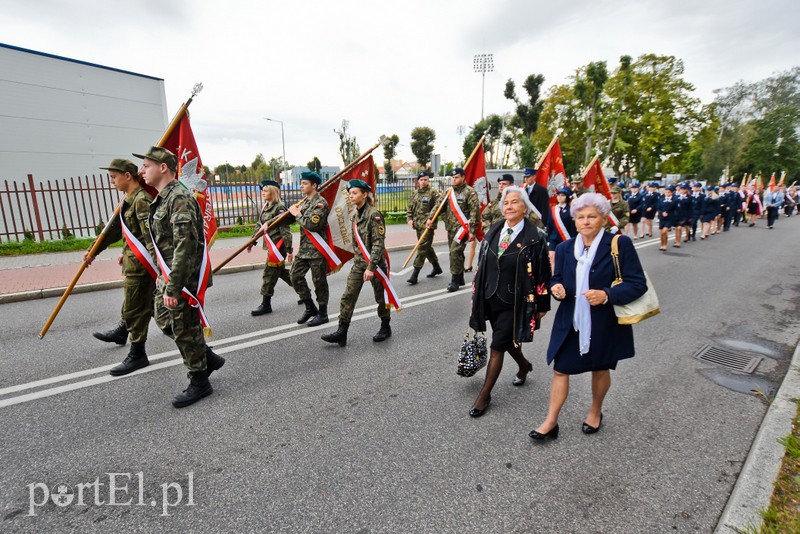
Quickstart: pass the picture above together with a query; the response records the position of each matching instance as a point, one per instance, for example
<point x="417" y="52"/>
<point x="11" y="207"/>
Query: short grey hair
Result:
<point x="590" y="200"/>
<point x="522" y="194"/>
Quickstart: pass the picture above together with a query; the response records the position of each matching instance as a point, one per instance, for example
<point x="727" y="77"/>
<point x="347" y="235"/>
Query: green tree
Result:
<point x="589" y="83"/>
<point x="496" y="142"/>
<point x="560" y="114"/>
<point x="389" y="151"/>
<point x="315" y="164"/>
<point x="422" y="139"/>
<point x="527" y="112"/>
<point x="258" y="161"/>
<point x="348" y="146"/>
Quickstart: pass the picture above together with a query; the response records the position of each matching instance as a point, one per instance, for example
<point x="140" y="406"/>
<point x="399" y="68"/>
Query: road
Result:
<point x="301" y="436"/>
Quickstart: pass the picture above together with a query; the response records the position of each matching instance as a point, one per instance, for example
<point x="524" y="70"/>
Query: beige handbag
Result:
<point x="641" y="308"/>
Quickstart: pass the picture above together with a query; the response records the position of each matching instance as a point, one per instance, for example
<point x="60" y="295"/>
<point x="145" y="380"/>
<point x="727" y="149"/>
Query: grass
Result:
<point x="783" y="513"/>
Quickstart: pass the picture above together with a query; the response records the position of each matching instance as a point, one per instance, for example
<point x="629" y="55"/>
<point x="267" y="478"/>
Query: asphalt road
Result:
<point x="301" y="436"/>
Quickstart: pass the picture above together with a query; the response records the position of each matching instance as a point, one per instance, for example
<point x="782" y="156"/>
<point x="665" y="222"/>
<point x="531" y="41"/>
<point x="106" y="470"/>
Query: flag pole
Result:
<point x="441" y="205"/>
<point x="280" y="217"/>
<point x="96" y="245"/>
<point x="547" y="151"/>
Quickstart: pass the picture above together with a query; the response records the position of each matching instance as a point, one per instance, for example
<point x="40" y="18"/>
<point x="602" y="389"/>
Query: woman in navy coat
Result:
<point x="667" y="215"/>
<point x="586" y="335"/>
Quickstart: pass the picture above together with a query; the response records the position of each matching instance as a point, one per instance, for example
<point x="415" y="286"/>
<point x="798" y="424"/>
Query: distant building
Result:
<point x="401" y="170"/>
<point x="292" y="176"/>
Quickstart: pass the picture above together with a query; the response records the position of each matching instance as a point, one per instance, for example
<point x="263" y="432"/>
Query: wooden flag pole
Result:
<point x="547" y="151"/>
<point x="96" y="245"/>
<point x="280" y="217"/>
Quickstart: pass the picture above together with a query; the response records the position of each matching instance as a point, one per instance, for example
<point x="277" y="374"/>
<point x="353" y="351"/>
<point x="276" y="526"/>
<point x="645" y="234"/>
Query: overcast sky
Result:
<point x="387" y="67"/>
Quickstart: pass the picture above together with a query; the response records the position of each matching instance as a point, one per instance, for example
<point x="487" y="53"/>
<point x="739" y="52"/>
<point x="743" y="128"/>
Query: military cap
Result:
<point x="506" y="178"/>
<point x="697" y="184"/>
<point x="576" y="180"/>
<point x="160" y="154"/>
<point x="616" y="190"/>
<point x="709" y="188"/>
<point x="612" y="179"/>
<point x="122" y="165"/>
<point x="457" y="170"/>
<point x="634" y="183"/>
<point x="564" y="191"/>
<point x="528" y="172"/>
<point x="360" y="184"/>
<point x="311" y="176"/>
<point x="423" y="174"/>
<point x="265" y="183"/>
<point x="670" y="187"/>
<point x="716" y="189"/>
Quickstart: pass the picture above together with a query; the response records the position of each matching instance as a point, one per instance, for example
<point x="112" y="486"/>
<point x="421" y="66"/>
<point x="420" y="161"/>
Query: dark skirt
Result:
<point x="501" y="318"/>
<point x="569" y="360"/>
<point x="635" y="218"/>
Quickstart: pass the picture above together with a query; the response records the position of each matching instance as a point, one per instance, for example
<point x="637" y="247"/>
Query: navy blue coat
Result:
<point x="697" y="206"/>
<point x="651" y="205"/>
<point x="710" y="208"/>
<point x="668" y="211"/>
<point x="610" y="340"/>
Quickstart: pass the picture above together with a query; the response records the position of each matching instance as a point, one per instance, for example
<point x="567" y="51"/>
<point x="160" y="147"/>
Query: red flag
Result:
<point x="336" y="196"/>
<point x="550" y="172"/>
<point x="783" y="177"/>
<point x="190" y="172"/>
<point x="475" y="176"/>
<point x="772" y="182"/>
<point x="594" y="180"/>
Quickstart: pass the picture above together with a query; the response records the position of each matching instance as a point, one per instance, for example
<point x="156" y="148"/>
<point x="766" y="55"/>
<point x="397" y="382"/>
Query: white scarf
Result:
<point x="582" y="320"/>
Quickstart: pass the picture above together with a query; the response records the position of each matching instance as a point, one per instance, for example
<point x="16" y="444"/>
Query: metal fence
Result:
<point x="55" y="209"/>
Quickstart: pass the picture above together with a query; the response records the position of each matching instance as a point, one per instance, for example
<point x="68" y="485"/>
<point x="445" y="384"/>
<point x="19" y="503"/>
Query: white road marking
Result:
<point x="409" y="269"/>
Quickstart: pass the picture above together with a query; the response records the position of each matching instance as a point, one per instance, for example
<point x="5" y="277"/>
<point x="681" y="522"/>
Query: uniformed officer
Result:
<point x="492" y="212"/>
<point x="176" y="226"/>
<point x="636" y="206"/>
<point x="651" y="200"/>
<point x="710" y="209"/>
<point x="684" y="212"/>
<point x="312" y="215"/>
<point x="277" y="242"/>
<point x="576" y="183"/>
<point x="371" y="230"/>
<point x="667" y="215"/>
<point x="620" y="210"/>
<point x="538" y="195"/>
<point x="560" y="225"/>
<point x="139" y="285"/>
<point x="697" y="208"/>
<point x="460" y="227"/>
<point x="423" y="200"/>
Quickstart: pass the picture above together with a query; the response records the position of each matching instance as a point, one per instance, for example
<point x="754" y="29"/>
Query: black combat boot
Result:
<point x="321" y="317"/>
<point x="461" y="281"/>
<point x="340" y="336"/>
<point x="265" y="307"/>
<point x="385" y="332"/>
<point x="414" y="277"/>
<point x="136" y="359"/>
<point x="310" y="311"/>
<point x="437" y="269"/>
<point x="199" y="387"/>
<point x="214" y="361"/>
<point x="454" y="283"/>
<point x="118" y="334"/>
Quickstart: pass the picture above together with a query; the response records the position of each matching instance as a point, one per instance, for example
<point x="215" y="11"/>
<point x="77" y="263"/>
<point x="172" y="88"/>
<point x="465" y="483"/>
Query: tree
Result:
<point x="589" y="83"/>
<point x="494" y="140"/>
<point x="525" y="122"/>
<point x="422" y="139"/>
<point x="258" y="161"/>
<point x="315" y="164"/>
<point x="389" y="152"/>
<point x="348" y="146"/>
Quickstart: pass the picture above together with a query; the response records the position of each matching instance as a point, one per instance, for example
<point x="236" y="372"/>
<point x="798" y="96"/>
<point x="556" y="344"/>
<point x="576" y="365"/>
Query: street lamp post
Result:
<point x="483" y="63"/>
<point x="283" y="141"/>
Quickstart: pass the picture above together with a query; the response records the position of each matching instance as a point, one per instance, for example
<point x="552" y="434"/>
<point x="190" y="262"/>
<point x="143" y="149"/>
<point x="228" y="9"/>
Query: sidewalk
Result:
<point x="47" y="275"/>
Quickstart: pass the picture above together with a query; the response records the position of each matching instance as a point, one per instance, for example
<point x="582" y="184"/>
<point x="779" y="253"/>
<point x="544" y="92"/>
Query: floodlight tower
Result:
<point x="483" y="63"/>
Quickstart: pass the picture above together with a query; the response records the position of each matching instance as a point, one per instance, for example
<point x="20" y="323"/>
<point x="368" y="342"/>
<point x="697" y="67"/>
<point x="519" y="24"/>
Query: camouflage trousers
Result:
<point x="271" y="277"/>
<point x="137" y="306"/>
<point x="187" y="331"/>
<point x="425" y="250"/>
<point x="318" y="268"/>
<point x="456" y="251"/>
<point x="355" y="281"/>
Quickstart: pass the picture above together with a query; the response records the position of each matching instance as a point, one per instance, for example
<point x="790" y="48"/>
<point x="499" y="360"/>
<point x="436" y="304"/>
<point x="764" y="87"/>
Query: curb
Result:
<point x="753" y="489"/>
<point x="111" y="284"/>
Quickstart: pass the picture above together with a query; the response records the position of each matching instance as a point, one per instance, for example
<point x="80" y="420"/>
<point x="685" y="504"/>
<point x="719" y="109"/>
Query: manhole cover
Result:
<point x="732" y="360"/>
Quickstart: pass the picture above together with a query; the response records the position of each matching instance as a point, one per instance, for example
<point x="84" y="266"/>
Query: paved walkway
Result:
<point x="47" y="275"/>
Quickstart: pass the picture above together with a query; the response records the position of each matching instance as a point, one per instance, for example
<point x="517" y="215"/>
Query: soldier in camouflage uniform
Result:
<point x="423" y="200"/>
<point x="493" y="213"/>
<point x="372" y="230"/>
<point x="312" y="215"/>
<point x="274" y="268"/>
<point x="620" y="210"/>
<point x="176" y="226"/>
<point x="138" y="285"/>
<point x="467" y="200"/>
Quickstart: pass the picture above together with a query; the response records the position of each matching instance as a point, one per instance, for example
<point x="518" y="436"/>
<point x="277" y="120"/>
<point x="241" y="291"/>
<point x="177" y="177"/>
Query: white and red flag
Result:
<point x="594" y="179"/>
<point x="475" y="177"/>
<point x="550" y="172"/>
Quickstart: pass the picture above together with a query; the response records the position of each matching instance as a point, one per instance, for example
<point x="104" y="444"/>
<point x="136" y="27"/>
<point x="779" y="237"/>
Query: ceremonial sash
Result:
<point x="389" y="294"/>
<point x="139" y="250"/>
<point x="322" y="244"/>
<point x="460" y="217"/>
<point x="536" y="211"/>
<point x="559" y="223"/>
<point x="202" y="281"/>
<point x="613" y="219"/>
<point x="274" y="256"/>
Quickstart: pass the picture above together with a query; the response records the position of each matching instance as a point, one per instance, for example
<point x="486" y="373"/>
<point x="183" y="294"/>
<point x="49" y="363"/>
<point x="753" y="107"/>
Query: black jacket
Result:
<point x="527" y="263"/>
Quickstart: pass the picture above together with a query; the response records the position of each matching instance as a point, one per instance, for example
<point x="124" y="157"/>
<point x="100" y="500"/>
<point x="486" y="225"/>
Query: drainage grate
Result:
<point x="732" y="360"/>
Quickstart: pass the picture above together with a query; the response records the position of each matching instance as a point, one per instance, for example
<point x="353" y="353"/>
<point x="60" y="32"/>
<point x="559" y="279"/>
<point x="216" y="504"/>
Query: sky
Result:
<point x="387" y="67"/>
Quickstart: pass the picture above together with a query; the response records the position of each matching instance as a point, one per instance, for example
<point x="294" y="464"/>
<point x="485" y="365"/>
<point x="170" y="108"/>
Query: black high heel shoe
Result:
<point x="587" y="429"/>
<point x="474" y="412"/>
<point x="520" y="381"/>
<point x="538" y="436"/>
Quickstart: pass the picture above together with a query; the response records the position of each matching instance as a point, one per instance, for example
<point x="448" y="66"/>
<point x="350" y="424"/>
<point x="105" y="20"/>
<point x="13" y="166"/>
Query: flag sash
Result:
<point x="389" y="294"/>
<point x="324" y="248"/>
<point x="463" y="233"/>
<point x="139" y="250"/>
<point x="613" y="219"/>
<point x="559" y="223"/>
<point x="274" y="256"/>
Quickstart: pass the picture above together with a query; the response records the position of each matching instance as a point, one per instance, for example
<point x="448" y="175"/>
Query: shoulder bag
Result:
<point x="640" y="309"/>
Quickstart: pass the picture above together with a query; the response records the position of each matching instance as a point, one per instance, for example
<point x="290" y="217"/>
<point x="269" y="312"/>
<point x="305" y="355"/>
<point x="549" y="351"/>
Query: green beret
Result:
<point x="161" y="155"/>
<point x="311" y="176"/>
<point x="265" y="183"/>
<point x="122" y="165"/>
<point x="361" y="184"/>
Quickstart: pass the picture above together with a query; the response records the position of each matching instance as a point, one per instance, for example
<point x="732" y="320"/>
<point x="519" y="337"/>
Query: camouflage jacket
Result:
<point x="177" y="227"/>
<point x="420" y="206"/>
<point x="281" y="230"/>
<point x="314" y="218"/>
<point x="493" y="213"/>
<point x="372" y="230"/>
<point x="135" y="211"/>
<point x="467" y="200"/>
<point x="622" y="212"/>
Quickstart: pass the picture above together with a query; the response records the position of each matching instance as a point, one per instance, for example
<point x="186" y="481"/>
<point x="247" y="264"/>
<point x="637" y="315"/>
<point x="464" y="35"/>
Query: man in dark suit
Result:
<point x="537" y="194"/>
